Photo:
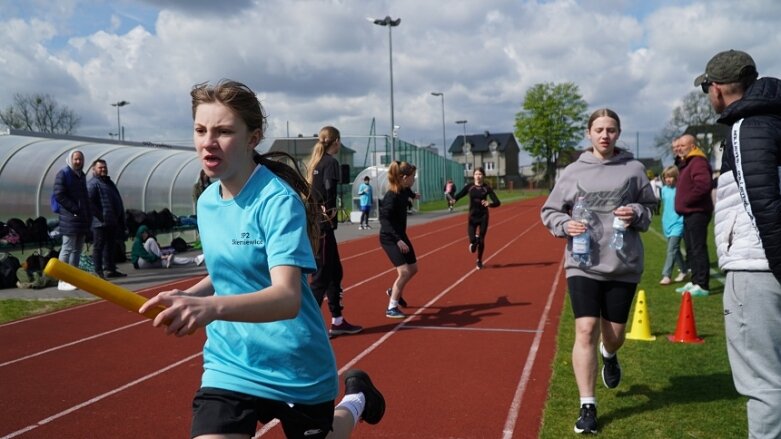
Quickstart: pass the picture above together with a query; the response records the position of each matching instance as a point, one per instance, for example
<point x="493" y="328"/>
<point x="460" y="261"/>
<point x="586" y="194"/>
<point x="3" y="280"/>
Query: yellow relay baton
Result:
<point x="99" y="287"/>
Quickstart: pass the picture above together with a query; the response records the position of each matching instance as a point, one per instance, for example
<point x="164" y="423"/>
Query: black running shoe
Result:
<point x="402" y="302"/>
<point x="472" y="247"/>
<point x="479" y="264"/>
<point x="344" y="328"/>
<point x="357" y="381"/>
<point x="611" y="371"/>
<point x="587" y="422"/>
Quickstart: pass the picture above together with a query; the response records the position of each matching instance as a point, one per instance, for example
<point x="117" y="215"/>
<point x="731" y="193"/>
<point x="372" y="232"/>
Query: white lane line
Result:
<point x="81" y="340"/>
<point x="100" y="397"/>
<point x="515" y="406"/>
<point x="62" y="346"/>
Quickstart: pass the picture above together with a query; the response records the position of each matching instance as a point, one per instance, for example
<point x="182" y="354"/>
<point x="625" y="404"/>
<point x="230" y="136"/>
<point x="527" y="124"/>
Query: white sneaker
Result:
<point x="65" y="286"/>
<point x="682" y="276"/>
<point x="199" y="259"/>
<point x="684" y="288"/>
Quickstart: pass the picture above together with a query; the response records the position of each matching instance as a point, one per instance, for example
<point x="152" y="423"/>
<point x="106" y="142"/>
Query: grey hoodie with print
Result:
<point x="607" y="184"/>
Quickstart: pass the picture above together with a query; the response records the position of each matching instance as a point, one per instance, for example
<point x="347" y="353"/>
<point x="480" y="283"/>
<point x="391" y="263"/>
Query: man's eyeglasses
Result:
<point x="706" y="86"/>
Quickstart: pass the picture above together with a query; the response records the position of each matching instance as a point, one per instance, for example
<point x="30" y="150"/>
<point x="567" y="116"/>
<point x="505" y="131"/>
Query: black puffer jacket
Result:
<point x="753" y="157"/>
<point x="71" y="193"/>
<point x="106" y="203"/>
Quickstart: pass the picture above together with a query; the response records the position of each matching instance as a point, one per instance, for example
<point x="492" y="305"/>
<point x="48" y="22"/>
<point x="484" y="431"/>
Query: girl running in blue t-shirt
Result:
<point x="267" y="354"/>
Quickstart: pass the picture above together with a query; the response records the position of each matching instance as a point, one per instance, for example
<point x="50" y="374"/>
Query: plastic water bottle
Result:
<point x="581" y="244"/>
<point x="618" y="234"/>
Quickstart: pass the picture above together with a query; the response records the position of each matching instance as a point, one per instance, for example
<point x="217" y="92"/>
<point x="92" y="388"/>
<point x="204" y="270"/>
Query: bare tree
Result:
<point x="41" y="113"/>
<point x="695" y="113"/>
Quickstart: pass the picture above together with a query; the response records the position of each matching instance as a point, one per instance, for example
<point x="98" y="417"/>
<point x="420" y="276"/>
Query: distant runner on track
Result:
<point x="477" y="226"/>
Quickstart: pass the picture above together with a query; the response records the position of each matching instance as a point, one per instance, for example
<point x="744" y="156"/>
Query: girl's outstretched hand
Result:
<point x="183" y="314"/>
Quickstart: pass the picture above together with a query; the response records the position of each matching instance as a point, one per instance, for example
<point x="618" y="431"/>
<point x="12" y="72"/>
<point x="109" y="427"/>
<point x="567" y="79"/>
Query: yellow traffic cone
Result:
<point x="641" y="324"/>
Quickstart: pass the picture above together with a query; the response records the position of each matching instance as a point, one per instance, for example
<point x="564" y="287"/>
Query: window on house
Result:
<point x="489" y="166"/>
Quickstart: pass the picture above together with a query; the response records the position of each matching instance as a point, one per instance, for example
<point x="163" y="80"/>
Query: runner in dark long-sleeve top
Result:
<point x="477" y="226"/>
<point x="323" y="174"/>
<point x="393" y="232"/>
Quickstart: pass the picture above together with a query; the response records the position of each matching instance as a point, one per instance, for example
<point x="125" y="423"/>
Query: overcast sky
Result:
<point x="316" y="63"/>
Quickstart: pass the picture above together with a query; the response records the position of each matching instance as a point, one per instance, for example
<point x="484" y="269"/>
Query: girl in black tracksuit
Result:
<point x="477" y="226"/>
<point x="323" y="174"/>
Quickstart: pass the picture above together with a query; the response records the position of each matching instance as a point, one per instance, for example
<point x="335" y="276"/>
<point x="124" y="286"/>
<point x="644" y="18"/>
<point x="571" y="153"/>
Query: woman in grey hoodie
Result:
<point x="601" y="289"/>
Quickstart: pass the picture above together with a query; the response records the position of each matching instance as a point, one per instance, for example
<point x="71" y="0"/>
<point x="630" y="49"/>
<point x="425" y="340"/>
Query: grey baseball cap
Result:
<point x="727" y="67"/>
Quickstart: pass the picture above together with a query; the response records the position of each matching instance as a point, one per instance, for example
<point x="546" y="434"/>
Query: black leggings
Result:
<point x="327" y="280"/>
<point x="472" y="227"/>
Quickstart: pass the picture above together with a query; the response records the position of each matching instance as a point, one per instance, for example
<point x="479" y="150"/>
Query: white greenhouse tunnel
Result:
<point x="148" y="176"/>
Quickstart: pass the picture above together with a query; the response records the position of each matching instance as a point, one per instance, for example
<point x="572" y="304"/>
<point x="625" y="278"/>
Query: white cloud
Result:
<point x="320" y="62"/>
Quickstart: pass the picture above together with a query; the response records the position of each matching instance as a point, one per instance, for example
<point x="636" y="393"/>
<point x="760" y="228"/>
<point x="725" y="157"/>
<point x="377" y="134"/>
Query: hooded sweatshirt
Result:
<point x="695" y="183"/>
<point x="607" y="184"/>
<point x="138" y="250"/>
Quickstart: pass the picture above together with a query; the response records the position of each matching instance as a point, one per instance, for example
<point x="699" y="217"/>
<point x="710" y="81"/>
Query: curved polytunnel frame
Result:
<point x="149" y="177"/>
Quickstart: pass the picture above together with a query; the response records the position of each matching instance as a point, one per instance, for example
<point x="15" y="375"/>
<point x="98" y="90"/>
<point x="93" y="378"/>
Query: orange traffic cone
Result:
<point x="686" y="332"/>
<point x="641" y="323"/>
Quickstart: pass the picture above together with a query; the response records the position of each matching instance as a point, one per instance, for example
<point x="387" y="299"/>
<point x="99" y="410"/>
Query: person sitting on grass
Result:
<point x="146" y="253"/>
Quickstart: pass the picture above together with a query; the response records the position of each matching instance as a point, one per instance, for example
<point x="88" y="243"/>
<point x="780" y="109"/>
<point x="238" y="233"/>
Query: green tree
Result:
<point x="41" y="113"/>
<point x="694" y="114"/>
<point x="551" y="123"/>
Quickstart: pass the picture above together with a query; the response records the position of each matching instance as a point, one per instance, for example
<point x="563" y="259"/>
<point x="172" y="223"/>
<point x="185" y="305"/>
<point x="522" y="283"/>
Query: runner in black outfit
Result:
<point x="393" y="233"/>
<point x="478" y="212"/>
<point x="323" y="174"/>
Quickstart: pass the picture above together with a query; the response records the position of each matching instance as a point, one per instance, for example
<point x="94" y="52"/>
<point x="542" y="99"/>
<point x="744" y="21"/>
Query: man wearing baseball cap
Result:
<point x="748" y="231"/>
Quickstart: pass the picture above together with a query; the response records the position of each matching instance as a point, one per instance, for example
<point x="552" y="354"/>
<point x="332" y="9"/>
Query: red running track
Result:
<point x="472" y="360"/>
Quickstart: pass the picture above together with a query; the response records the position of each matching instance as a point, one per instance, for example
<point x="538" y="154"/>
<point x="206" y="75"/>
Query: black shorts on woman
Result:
<point x="609" y="299"/>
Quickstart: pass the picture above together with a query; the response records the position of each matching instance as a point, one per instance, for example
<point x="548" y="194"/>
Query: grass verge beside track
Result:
<point x="14" y="309"/>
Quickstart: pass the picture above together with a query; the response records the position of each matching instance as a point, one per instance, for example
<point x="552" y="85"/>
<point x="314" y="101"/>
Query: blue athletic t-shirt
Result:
<point x="672" y="222"/>
<point x="365" y="194"/>
<point x="262" y="227"/>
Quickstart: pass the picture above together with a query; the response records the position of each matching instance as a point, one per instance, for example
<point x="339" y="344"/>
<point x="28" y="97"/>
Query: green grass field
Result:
<point x="668" y="390"/>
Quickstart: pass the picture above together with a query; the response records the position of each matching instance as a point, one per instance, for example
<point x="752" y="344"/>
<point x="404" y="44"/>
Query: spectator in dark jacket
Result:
<point x="748" y="231"/>
<point x="108" y="220"/>
<point x="693" y="201"/>
<point x="70" y="191"/>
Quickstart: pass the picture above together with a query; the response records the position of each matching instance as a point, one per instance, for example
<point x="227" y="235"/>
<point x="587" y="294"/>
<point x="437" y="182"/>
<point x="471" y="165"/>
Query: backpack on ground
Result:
<point x="20" y="227"/>
<point x="179" y="244"/>
<point x="8" y="266"/>
<point x="38" y="229"/>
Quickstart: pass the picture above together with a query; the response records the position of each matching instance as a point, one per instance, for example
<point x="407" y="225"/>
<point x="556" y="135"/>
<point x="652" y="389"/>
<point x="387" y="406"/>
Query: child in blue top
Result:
<point x="365" y="199"/>
<point x="672" y="226"/>
<point x="267" y="353"/>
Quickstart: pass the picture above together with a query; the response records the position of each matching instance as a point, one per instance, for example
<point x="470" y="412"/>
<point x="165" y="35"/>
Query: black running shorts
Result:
<point x="395" y="255"/>
<point x="218" y="411"/>
<point x="608" y="299"/>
